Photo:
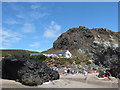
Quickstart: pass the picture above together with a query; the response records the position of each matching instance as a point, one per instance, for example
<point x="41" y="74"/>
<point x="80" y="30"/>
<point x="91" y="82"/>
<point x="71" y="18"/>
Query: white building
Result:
<point x="63" y="54"/>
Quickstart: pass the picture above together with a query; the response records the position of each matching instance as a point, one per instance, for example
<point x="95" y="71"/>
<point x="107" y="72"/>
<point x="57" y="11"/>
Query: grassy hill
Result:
<point x="9" y="52"/>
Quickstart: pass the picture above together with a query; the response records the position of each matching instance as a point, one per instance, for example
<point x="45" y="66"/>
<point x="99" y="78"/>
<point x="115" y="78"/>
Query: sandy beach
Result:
<point x="69" y="81"/>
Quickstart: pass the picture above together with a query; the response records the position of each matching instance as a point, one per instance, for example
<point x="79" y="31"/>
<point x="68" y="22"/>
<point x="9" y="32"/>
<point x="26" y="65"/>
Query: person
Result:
<point x="85" y="74"/>
<point x="68" y="71"/>
<point x="108" y="75"/>
<point x="72" y="72"/>
<point x="65" y="71"/>
<point x="104" y="73"/>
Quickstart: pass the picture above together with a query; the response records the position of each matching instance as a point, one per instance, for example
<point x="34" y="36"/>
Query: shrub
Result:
<point x="40" y="57"/>
<point x="5" y="54"/>
<point x="44" y="62"/>
<point x="64" y="60"/>
<point x="27" y="55"/>
<point x="77" y="61"/>
<point x="70" y="60"/>
<point x="88" y="62"/>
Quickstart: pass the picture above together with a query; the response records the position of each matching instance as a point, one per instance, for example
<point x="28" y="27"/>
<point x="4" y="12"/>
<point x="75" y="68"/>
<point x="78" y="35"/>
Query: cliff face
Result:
<point x="100" y="44"/>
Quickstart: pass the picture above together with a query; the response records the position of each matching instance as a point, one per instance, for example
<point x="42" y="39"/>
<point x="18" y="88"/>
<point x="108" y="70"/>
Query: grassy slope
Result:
<point x="9" y="52"/>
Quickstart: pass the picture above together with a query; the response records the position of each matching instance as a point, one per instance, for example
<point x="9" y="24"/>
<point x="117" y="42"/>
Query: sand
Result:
<point x="69" y="81"/>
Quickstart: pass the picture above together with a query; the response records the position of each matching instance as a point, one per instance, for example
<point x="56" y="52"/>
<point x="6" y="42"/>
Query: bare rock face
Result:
<point x="28" y="71"/>
<point x="100" y="44"/>
<point x="115" y="69"/>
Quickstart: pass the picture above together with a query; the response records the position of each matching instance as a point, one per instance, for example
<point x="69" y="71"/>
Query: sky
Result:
<point x="35" y="26"/>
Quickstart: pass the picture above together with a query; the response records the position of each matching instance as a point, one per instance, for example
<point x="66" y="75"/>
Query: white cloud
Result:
<point x="21" y="16"/>
<point x="28" y="28"/>
<point x="52" y="22"/>
<point x="35" y="6"/>
<point x="32" y="15"/>
<point x="36" y="11"/>
<point x="37" y="15"/>
<point x="35" y="44"/>
<point x="53" y="30"/>
<point x="10" y="21"/>
<point x="9" y="37"/>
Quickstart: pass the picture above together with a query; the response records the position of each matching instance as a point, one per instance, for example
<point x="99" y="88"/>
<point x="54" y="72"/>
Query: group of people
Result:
<point x="68" y="71"/>
<point x="104" y="73"/>
<point x="107" y="74"/>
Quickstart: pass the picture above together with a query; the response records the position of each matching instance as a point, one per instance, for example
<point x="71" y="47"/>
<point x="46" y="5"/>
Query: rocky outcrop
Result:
<point x="28" y="71"/>
<point x="100" y="44"/>
<point x="115" y="69"/>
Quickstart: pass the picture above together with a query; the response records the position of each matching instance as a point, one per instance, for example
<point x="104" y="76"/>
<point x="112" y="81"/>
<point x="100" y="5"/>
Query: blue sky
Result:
<point x="35" y="26"/>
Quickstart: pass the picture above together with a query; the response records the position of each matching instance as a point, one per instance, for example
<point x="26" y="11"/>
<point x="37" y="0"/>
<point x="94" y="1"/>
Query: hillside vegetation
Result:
<point x="11" y="52"/>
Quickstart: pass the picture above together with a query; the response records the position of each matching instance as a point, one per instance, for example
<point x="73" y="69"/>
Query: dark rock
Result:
<point x="115" y="69"/>
<point x="100" y="44"/>
<point x="28" y="71"/>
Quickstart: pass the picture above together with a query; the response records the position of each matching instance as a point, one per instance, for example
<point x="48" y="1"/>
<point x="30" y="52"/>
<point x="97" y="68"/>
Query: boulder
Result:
<point x="28" y="71"/>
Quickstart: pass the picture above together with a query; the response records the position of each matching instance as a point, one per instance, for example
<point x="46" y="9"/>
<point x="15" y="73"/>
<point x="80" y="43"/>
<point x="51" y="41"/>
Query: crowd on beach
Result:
<point x="103" y="73"/>
<point x="73" y="72"/>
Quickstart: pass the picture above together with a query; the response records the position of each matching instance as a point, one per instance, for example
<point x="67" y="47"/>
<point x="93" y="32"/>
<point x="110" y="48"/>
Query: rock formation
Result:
<point x="28" y="71"/>
<point x="99" y="44"/>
